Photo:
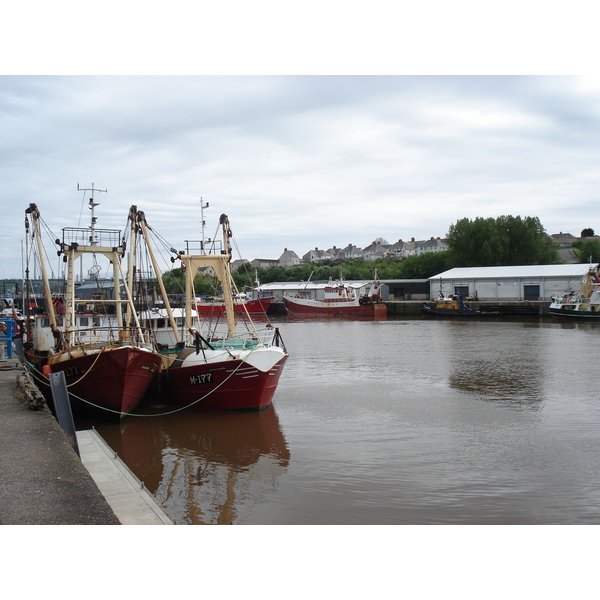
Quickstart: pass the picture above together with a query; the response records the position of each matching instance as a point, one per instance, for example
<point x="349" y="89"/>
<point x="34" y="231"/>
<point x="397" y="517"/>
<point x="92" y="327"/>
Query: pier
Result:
<point x="44" y="482"/>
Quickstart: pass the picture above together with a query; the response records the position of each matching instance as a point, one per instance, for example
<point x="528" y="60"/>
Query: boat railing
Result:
<point x="249" y="341"/>
<point x="83" y="236"/>
<point x="325" y="300"/>
<point x="571" y="300"/>
<point x="109" y="336"/>
<point x="193" y="247"/>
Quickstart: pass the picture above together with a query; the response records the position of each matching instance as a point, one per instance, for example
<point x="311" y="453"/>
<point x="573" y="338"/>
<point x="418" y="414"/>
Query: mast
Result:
<point x="35" y="217"/>
<point x="220" y="264"/>
<point x="79" y="241"/>
<point x="131" y="259"/>
<point x="226" y="281"/>
<point x="203" y="222"/>
<point x="141" y="218"/>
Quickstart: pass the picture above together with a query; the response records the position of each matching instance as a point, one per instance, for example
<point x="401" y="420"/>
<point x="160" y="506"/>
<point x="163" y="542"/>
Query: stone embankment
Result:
<point x="42" y="480"/>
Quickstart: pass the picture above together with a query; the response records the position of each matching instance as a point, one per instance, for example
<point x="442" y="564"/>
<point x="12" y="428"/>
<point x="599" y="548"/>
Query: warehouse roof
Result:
<point x="514" y="271"/>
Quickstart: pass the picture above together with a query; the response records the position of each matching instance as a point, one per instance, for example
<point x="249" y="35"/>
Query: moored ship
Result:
<point x="581" y="304"/>
<point x="107" y="365"/>
<point x="453" y="306"/>
<point x="214" y="363"/>
<point x="338" y="301"/>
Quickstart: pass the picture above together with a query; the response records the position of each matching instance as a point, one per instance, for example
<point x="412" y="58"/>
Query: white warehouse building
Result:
<point x="527" y="282"/>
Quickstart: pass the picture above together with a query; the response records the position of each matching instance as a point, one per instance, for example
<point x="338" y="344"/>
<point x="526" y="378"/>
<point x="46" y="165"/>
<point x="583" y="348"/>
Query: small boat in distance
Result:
<point x="453" y="306"/>
<point x="338" y="300"/>
<point x="581" y="304"/>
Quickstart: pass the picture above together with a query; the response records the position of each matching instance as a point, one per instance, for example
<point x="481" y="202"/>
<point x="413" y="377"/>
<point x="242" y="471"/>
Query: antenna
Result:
<point x="202" y="222"/>
<point x="92" y="206"/>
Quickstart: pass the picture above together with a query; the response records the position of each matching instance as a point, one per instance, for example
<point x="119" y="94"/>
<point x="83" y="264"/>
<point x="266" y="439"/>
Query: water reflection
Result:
<point x="204" y="468"/>
<point x="485" y="364"/>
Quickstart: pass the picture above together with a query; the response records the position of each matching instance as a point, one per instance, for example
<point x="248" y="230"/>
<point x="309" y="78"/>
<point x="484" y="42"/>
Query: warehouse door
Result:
<point x="531" y="292"/>
<point x="461" y="290"/>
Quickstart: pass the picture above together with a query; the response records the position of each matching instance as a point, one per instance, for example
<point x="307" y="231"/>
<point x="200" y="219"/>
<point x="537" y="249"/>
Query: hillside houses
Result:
<point x="375" y="251"/>
<point x="400" y="249"/>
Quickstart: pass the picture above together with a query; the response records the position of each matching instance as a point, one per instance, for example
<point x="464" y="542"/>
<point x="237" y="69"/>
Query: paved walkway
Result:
<point x="44" y="482"/>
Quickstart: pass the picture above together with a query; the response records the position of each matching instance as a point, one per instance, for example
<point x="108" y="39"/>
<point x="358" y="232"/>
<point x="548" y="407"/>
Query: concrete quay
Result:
<point x="44" y="482"/>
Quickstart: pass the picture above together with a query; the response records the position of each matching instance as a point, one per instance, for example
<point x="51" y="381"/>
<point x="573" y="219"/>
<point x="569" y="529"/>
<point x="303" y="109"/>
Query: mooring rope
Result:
<point x="242" y="362"/>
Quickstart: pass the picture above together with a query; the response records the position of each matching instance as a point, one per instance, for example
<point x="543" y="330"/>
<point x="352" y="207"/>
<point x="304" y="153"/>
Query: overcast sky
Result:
<point x="304" y="160"/>
<point x="298" y="161"/>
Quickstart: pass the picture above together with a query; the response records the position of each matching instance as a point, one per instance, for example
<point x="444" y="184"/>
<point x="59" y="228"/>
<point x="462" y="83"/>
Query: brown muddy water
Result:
<point x="400" y="421"/>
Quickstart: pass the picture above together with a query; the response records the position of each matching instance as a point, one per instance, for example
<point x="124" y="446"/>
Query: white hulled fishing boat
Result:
<point x="213" y="362"/>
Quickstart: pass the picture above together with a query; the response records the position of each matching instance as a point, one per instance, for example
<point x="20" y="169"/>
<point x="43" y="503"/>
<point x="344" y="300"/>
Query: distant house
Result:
<point x="236" y="264"/>
<point x="430" y="245"/>
<point x="402" y="249"/>
<point x="264" y="263"/>
<point x="350" y="251"/>
<point x="334" y="252"/>
<point x="206" y="271"/>
<point x="375" y="251"/>
<point x="316" y="255"/>
<point x="289" y="259"/>
<point x="564" y="240"/>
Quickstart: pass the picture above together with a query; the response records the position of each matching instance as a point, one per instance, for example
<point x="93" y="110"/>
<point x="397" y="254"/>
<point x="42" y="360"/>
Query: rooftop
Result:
<point x="571" y="270"/>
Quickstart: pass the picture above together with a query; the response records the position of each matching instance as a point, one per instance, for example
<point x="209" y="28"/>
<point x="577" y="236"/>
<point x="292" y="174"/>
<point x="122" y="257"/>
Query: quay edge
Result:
<point x="44" y="482"/>
<point x="514" y="307"/>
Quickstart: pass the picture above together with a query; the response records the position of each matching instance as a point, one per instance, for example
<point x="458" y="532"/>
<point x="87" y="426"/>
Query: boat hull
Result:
<point x="231" y="384"/>
<point x="113" y="382"/>
<point x="573" y="314"/>
<point x="251" y="307"/>
<point x="333" y="309"/>
<point x="455" y="312"/>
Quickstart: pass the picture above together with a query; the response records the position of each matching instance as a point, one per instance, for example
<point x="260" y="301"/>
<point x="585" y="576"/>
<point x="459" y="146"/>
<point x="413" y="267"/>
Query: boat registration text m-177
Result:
<point x="201" y="378"/>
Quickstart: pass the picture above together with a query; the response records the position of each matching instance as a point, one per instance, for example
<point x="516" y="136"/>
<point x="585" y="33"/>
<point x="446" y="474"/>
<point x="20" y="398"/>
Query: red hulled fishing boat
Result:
<point x="338" y="300"/>
<point x="107" y="366"/>
<point x="216" y="362"/>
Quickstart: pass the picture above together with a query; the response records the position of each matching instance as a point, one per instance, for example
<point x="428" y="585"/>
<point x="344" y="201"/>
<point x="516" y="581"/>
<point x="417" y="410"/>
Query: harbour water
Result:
<point x="397" y="421"/>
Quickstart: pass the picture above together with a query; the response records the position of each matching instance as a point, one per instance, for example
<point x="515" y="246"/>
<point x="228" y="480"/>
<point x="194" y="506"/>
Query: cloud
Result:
<point x="298" y="161"/>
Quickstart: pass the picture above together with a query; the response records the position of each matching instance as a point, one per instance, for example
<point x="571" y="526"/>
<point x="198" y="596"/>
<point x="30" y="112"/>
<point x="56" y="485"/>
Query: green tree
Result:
<point x="174" y="282"/>
<point x="589" y="232"/>
<point x="506" y="240"/>
<point x="587" y="251"/>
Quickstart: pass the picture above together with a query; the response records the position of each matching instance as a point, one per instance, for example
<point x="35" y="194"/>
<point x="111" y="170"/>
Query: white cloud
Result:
<point x="298" y="162"/>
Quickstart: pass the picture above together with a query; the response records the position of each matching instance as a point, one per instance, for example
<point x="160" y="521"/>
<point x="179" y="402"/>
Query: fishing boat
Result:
<point x="107" y="365"/>
<point x="453" y="306"/>
<point x="214" y="363"/>
<point x="241" y="305"/>
<point x="581" y="304"/>
<point x="338" y="300"/>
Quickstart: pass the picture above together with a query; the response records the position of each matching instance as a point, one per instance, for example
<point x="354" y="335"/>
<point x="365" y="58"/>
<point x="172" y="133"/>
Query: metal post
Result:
<point x="60" y="395"/>
<point x="9" y="336"/>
